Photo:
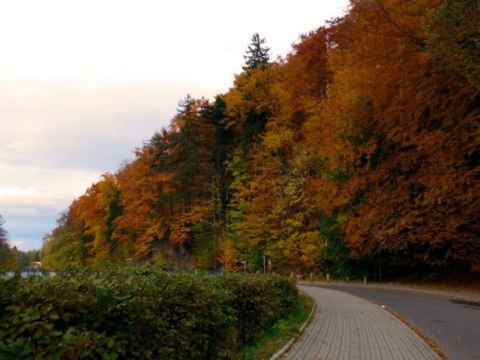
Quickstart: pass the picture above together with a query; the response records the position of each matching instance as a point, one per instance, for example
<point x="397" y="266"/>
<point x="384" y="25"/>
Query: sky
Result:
<point x="84" y="83"/>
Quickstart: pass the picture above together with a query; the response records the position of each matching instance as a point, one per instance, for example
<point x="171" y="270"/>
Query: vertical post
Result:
<point x="264" y="268"/>
<point x="364" y="280"/>
<point x="328" y="277"/>
<point x="214" y="249"/>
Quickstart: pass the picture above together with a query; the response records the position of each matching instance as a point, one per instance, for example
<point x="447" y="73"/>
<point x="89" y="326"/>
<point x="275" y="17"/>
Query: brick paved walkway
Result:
<point x="347" y="327"/>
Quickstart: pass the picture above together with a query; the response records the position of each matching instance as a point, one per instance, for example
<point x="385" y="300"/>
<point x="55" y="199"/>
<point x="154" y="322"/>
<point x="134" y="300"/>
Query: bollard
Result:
<point x="328" y="277"/>
<point x="364" y="280"/>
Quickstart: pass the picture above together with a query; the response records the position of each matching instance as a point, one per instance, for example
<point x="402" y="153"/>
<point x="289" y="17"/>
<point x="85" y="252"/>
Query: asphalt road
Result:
<point x="452" y="323"/>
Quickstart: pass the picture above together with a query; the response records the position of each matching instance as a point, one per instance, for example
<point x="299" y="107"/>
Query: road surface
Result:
<point x="453" y="323"/>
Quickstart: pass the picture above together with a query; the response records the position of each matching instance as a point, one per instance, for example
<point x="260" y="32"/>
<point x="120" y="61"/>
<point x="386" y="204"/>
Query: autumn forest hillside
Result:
<point x="357" y="154"/>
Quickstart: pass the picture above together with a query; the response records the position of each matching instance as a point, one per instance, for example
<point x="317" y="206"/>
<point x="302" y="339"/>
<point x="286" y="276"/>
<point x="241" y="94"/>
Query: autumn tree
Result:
<point x="250" y="105"/>
<point x="97" y="210"/>
<point x="65" y="246"/>
<point x="210" y="233"/>
<point x="356" y="153"/>
<point x="146" y="199"/>
<point x="407" y="139"/>
<point x="169" y="188"/>
<point x="194" y="143"/>
<point x="270" y="211"/>
<point x="228" y="256"/>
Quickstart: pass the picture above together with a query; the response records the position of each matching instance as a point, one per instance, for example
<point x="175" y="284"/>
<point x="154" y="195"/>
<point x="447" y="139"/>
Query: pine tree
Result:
<point x="3" y="233"/>
<point x="5" y="251"/>
<point x="257" y="54"/>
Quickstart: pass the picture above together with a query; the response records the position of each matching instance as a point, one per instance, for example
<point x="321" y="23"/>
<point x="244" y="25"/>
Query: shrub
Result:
<point x="137" y="313"/>
<point x="259" y="301"/>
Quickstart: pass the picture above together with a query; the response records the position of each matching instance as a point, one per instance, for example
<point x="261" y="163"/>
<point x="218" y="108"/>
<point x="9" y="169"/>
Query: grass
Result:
<point x="281" y="333"/>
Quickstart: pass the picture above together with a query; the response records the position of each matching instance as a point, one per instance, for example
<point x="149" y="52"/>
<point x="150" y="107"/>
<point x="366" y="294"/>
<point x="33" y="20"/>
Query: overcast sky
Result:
<point x="83" y="83"/>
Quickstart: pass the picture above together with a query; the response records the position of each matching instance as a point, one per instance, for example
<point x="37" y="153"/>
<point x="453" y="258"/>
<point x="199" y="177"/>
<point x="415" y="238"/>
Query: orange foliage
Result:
<point x="370" y="124"/>
<point x="93" y="210"/>
<point x="228" y="256"/>
<point x="412" y="139"/>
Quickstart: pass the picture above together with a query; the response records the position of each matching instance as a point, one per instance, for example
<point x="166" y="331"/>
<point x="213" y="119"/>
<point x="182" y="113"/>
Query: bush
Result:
<point x="138" y="313"/>
<point x="259" y="301"/>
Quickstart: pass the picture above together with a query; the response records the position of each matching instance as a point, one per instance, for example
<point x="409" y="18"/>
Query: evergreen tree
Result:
<point x="5" y="252"/>
<point x="3" y="233"/>
<point x="257" y="54"/>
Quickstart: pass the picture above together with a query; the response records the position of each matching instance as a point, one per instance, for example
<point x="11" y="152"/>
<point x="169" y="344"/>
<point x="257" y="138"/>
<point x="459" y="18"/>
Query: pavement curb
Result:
<point x="283" y="350"/>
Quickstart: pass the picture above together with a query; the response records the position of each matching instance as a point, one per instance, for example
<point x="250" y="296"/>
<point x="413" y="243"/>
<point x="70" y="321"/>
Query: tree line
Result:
<point x="356" y="153"/>
<point x="10" y="257"/>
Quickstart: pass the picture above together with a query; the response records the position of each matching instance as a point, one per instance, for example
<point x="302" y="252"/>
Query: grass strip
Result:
<point x="279" y="334"/>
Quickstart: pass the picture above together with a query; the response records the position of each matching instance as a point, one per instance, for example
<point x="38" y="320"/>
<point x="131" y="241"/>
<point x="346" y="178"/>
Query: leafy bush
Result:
<point x="259" y="301"/>
<point x="137" y="313"/>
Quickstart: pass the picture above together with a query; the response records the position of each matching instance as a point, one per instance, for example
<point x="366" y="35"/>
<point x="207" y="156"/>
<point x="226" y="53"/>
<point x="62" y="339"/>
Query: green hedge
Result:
<point x="259" y="302"/>
<point x="138" y="313"/>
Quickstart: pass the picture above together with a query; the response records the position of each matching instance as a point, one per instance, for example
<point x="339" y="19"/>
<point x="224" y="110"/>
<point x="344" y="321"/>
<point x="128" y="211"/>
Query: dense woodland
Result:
<point x="356" y="154"/>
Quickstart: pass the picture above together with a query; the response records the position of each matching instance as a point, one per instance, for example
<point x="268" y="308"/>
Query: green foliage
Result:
<point x="259" y="301"/>
<point x="337" y="174"/>
<point x="256" y="259"/>
<point x="336" y="253"/>
<point x="453" y="36"/>
<point x="204" y="245"/>
<point x="281" y="333"/>
<point x="5" y="251"/>
<point x="135" y="313"/>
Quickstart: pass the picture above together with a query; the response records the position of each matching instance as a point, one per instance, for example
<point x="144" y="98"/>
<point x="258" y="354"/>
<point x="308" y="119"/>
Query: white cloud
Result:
<point x="28" y="188"/>
<point x="59" y="124"/>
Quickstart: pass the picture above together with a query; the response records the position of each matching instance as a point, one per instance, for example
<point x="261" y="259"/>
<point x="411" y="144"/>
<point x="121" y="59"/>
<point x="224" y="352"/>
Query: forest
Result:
<point x="356" y="154"/>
